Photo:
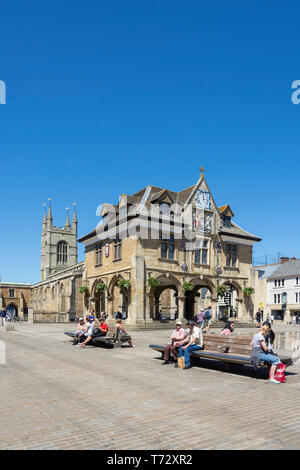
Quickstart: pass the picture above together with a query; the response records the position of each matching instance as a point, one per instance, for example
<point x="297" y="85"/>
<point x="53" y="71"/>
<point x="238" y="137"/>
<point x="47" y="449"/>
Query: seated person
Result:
<point x="87" y="336"/>
<point x="228" y="328"/>
<point x="179" y="334"/>
<point x="270" y="338"/>
<point x="260" y="352"/>
<point x="92" y="315"/>
<point x="80" y="331"/>
<point x="193" y="342"/>
<point x="122" y="332"/>
<point x="100" y="329"/>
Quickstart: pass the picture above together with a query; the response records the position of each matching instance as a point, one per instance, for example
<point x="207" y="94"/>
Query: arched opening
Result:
<point x="167" y="303"/>
<point x="120" y="297"/>
<point x="12" y="310"/>
<point x="164" y="298"/>
<point x="227" y="305"/>
<point x="197" y="299"/>
<point x="98" y="298"/>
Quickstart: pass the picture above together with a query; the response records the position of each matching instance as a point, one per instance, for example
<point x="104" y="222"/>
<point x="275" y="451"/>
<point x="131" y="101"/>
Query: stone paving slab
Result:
<point x="57" y="396"/>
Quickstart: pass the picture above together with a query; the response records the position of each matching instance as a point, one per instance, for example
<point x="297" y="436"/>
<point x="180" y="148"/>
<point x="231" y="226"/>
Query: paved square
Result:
<point x="57" y="396"/>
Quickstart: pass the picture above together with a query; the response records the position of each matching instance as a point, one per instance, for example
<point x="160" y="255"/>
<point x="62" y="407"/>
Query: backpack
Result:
<point x="207" y="315"/>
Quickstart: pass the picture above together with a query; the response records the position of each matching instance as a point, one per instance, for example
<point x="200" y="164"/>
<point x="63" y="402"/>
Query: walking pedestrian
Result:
<point x="3" y="316"/>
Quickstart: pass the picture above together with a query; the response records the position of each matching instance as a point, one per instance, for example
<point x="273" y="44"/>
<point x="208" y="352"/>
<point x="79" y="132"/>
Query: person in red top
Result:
<point x="99" y="330"/>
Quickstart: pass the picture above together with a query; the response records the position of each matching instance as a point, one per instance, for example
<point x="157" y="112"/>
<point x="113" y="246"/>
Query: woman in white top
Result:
<point x="259" y="344"/>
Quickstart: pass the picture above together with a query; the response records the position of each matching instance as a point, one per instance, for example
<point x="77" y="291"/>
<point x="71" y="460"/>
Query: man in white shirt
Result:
<point x="88" y="333"/>
<point x="193" y="342"/>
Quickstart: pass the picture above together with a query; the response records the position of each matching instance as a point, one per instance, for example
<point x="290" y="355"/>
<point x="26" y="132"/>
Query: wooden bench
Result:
<point x="112" y="337"/>
<point x="227" y="349"/>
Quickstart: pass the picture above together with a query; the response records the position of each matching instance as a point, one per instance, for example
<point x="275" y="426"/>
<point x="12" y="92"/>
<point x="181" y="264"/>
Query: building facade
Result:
<point x="15" y="298"/>
<point x="159" y="251"/>
<point x="281" y="286"/>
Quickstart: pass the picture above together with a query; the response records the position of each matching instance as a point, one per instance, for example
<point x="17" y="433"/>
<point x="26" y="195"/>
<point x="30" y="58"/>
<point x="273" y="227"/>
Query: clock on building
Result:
<point x="203" y="199"/>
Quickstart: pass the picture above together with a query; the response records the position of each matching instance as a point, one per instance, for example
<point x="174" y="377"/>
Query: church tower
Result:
<point x="59" y="244"/>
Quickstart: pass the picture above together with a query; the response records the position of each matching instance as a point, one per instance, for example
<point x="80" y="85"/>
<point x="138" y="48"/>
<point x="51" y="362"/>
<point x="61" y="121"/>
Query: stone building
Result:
<point x="56" y="297"/>
<point x="160" y="251"/>
<point x="15" y="297"/>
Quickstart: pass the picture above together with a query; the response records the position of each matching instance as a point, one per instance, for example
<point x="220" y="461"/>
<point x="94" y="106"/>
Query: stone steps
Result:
<point x="157" y="325"/>
<point x="237" y="324"/>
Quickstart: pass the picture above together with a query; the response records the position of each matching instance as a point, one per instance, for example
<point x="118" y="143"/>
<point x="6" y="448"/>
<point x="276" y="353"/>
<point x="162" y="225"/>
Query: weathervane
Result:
<point x="202" y="170"/>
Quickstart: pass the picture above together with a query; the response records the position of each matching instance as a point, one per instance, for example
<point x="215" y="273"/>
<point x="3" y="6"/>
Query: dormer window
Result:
<point x="226" y="221"/>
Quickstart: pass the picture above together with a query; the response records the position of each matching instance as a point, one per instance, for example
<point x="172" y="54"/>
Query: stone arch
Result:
<point x="99" y="298"/>
<point x="120" y="298"/>
<point x="202" y="296"/>
<point x="228" y="306"/>
<point x="164" y="298"/>
<point x="12" y="308"/>
<point x="234" y="284"/>
<point x="116" y="278"/>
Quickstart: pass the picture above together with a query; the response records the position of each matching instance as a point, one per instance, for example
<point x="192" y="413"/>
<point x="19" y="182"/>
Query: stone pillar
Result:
<point x="110" y="308"/>
<point x="148" y="308"/>
<point x="30" y="315"/>
<point x="138" y="315"/>
<point x="181" y="303"/>
<point x="1" y="300"/>
<point x="21" y="309"/>
<point x="213" y="304"/>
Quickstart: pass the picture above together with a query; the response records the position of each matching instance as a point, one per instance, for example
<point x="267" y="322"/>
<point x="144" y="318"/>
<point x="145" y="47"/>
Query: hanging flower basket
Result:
<point x="101" y="287"/>
<point x="152" y="282"/>
<point x="124" y="284"/>
<point x="83" y="290"/>
<point x="247" y="291"/>
<point x="187" y="286"/>
<point x="221" y="290"/>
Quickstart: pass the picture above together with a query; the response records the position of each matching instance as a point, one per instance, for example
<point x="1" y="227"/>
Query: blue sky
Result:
<point x="104" y="98"/>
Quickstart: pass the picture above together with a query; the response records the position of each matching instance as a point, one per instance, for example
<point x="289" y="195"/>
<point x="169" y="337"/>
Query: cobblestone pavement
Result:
<point x="57" y="396"/>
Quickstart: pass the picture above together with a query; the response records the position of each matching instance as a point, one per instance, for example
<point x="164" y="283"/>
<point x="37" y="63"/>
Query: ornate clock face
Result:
<point x="203" y="199"/>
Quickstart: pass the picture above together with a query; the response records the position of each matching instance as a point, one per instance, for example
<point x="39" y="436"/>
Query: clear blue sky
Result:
<point x="106" y="97"/>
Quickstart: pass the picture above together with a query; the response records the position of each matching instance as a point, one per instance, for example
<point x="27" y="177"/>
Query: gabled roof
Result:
<point x="226" y="210"/>
<point x="236" y="231"/>
<point x="266" y="271"/>
<point x="164" y="194"/>
<point x="150" y="194"/>
<point x="288" y="268"/>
